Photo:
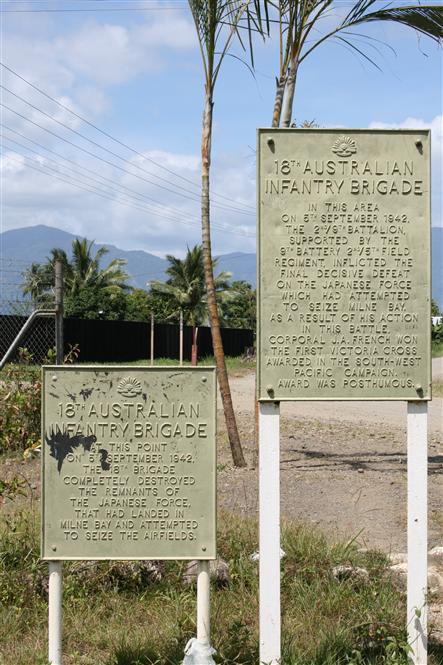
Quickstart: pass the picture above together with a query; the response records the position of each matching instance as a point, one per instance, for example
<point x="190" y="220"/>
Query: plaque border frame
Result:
<point x="273" y="131"/>
<point x="210" y="555"/>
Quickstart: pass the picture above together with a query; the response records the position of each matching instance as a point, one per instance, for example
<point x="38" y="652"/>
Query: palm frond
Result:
<point x="427" y="19"/>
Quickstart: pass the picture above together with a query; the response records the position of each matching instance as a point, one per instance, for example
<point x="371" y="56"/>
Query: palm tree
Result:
<point x="186" y="288"/>
<point x="216" y="23"/>
<point x="82" y="271"/>
<point x="299" y="23"/>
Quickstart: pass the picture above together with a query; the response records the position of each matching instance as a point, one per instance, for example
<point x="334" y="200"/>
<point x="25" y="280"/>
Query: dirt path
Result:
<point x="391" y="414"/>
<point x="343" y="466"/>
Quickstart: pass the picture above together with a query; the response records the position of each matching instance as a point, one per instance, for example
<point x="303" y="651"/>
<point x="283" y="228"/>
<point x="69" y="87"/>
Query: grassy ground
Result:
<point x="437" y="349"/>
<point x="113" y="616"/>
<point x="237" y="365"/>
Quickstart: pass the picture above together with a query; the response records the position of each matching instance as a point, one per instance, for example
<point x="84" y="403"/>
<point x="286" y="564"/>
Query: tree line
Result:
<point x="95" y="292"/>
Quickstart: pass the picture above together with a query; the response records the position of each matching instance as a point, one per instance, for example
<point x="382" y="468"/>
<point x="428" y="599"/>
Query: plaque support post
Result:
<point x="198" y="651"/>
<point x="55" y="612"/>
<point x="203" y="602"/>
<point x="417" y="531"/>
<point x="269" y="547"/>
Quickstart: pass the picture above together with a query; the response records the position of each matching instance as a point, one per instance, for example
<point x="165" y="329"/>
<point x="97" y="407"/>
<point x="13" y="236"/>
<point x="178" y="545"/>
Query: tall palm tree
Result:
<point x="82" y="270"/>
<point x="186" y="288"/>
<point x="300" y="22"/>
<point x="216" y="23"/>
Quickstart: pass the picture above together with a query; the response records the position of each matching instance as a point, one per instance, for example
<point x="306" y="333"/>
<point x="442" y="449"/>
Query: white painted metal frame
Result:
<point x="55" y="617"/>
<point x="269" y="547"/>
<point x="417" y="531"/>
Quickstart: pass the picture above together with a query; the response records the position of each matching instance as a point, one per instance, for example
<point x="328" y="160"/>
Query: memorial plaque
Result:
<point x="344" y="264"/>
<point x="128" y="463"/>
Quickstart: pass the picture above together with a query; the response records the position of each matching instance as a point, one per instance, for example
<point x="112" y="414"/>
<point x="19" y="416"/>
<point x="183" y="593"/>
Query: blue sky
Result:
<point x="137" y="75"/>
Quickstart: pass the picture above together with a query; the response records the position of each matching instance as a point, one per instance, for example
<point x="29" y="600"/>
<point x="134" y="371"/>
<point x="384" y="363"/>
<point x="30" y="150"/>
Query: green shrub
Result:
<point x="20" y="404"/>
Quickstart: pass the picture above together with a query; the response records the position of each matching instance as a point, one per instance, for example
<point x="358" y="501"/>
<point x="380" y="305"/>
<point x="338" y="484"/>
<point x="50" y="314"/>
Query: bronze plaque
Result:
<point x="344" y="264"/>
<point x="128" y="463"/>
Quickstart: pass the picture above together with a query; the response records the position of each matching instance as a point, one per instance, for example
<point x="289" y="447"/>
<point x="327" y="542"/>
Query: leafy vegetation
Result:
<point x="115" y="616"/>
<point x="88" y="288"/>
<point x="20" y="399"/>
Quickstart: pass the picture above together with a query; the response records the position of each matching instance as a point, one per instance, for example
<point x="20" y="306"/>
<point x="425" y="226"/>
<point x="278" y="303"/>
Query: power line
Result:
<point x="190" y="195"/>
<point x="94" y="173"/>
<point x="74" y="182"/>
<point x="165" y="210"/>
<point x="109" y="136"/>
<point x="86" y="151"/>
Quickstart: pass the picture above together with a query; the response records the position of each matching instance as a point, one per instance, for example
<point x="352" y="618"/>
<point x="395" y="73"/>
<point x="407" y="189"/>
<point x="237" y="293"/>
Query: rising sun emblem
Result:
<point x="344" y="146"/>
<point x="129" y="387"/>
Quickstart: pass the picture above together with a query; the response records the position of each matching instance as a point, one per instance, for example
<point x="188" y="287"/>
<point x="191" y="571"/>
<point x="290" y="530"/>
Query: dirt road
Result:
<point x="343" y="466"/>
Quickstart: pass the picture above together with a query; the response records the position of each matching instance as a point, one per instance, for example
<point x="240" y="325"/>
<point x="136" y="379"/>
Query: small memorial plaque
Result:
<point x="128" y="463"/>
<point x="344" y="264"/>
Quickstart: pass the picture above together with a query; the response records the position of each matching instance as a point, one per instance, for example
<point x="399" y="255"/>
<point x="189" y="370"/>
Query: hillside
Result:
<point x="23" y="246"/>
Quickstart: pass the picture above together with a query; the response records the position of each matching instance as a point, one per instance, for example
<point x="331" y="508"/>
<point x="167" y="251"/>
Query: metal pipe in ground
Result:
<point x="55" y="612"/>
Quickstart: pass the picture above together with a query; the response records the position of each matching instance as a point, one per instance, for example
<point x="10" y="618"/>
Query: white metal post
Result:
<point x="269" y="547"/>
<point x="417" y="531"/>
<point x="203" y="602"/>
<point x="198" y="651"/>
<point x="55" y="612"/>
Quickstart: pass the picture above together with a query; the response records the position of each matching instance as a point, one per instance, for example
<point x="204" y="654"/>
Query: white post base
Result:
<point x="417" y="531"/>
<point x="198" y="651"/>
<point x="55" y="612"/>
<point x="269" y="545"/>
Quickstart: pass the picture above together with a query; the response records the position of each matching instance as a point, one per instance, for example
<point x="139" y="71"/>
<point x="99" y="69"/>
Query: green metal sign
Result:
<point x="128" y="463"/>
<point x="344" y="264"/>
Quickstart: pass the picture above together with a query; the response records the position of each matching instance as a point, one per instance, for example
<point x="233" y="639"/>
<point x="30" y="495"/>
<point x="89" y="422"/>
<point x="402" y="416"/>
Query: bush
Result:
<point x="20" y="400"/>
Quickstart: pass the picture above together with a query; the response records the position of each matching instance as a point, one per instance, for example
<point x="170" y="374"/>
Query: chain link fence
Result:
<point x="39" y="339"/>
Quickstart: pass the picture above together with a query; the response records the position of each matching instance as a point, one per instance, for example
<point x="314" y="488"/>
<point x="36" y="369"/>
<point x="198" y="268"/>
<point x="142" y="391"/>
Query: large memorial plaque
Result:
<point x="344" y="264"/>
<point x="128" y="459"/>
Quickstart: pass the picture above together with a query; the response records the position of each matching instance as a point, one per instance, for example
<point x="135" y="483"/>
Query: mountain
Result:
<point x="20" y="247"/>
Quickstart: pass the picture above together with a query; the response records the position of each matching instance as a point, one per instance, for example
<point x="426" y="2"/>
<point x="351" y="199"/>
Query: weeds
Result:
<point x="118" y="614"/>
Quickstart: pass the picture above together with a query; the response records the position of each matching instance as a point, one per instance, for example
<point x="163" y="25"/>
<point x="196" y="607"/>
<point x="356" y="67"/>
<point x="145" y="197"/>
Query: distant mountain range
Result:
<point x="20" y="247"/>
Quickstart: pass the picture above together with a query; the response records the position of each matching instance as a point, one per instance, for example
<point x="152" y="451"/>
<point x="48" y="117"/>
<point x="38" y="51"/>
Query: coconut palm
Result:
<point x="216" y="23"/>
<point x="186" y="289"/>
<point x="83" y="270"/>
<point x="300" y="22"/>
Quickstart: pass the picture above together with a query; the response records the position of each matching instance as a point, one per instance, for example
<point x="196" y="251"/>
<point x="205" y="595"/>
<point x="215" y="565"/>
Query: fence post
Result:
<point x="59" y="344"/>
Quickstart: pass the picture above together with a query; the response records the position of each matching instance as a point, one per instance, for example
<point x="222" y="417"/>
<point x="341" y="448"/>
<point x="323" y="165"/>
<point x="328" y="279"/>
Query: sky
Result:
<point x="132" y="69"/>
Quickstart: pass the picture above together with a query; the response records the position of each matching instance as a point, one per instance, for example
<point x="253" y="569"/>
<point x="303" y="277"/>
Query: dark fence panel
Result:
<point x="121" y="341"/>
<point x="113" y="341"/>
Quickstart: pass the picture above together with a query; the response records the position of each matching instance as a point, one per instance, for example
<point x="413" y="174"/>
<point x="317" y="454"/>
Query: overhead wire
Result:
<point x="104" y="194"/>
<point x="135" y="175"/>
<point x="166" y="209"/>
<point x="118" y="141"/>
<point x="190" y="195"/>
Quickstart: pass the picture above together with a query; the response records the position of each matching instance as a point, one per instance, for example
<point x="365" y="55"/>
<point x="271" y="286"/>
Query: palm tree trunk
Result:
<point x="289" y="96"/>
<point x="231" y="425"/>
<point x="279" y="92"/>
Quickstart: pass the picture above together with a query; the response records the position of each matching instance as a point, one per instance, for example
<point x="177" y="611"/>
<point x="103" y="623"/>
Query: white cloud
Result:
<point x="436" y="127"/>
<point x="148" y="217"/>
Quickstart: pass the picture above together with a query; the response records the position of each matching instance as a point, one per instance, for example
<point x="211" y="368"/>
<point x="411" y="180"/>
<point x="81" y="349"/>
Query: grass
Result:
<point x="236" y="365"/>
<point x="124" y="620"/>
<point x="437" y="349"/>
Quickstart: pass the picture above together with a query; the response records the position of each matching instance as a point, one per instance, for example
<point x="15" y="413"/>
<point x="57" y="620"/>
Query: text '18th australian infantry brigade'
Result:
<point x="344" y="267"/>
<point x="128" y="458"/>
